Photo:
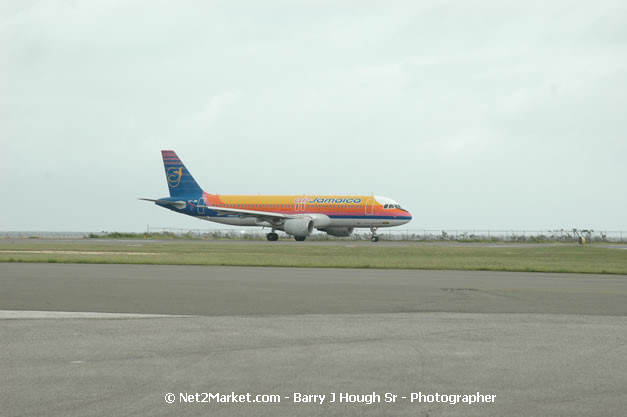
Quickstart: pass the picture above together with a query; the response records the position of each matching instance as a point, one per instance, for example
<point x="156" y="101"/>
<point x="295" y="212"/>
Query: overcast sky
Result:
<point x="471" y="114"/>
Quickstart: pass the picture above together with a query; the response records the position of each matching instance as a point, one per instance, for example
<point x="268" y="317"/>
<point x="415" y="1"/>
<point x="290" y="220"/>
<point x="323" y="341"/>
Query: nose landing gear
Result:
<point x="374" y="237"/>
<point x="272" y="236"/>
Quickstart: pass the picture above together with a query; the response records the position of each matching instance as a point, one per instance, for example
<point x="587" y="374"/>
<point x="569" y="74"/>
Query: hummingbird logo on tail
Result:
<point x="174" y="176"/>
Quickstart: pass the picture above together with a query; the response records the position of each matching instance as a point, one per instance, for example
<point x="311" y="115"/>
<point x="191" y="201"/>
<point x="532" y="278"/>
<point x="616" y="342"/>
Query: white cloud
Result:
<point x="452" y="108"/>
<point x="206" y="118"/>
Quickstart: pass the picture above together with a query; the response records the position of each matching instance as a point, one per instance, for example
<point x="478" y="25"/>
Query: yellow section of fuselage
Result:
<point x="326" y="204"/>
<point x="293" y="199"/>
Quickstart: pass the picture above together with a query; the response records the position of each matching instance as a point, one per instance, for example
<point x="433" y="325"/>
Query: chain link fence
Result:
<point x="421" y="235"/>
<point x="418" y="235"/>
<point x="42" y="235"/>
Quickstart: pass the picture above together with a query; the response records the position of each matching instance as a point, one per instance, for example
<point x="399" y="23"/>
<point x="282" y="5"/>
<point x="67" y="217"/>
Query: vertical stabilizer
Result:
<point x="180" y="181"/>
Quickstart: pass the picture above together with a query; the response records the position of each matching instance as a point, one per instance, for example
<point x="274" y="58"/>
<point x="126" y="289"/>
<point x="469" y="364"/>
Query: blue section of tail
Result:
<point x="180" y="181"/>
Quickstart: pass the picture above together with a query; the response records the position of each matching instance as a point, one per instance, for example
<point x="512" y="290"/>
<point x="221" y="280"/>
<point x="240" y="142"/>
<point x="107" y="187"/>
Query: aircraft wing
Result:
<point x="276" y="219"/>
<point x="261" y="215"/>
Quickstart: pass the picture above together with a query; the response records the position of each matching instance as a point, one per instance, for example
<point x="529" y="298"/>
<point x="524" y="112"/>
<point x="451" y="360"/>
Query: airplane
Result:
<point x="296" y="215"/>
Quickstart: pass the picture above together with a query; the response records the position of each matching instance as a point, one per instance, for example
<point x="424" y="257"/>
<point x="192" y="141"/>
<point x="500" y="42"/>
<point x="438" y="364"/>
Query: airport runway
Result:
<point x="225" y="291"/>
<point x="543" y="344"/>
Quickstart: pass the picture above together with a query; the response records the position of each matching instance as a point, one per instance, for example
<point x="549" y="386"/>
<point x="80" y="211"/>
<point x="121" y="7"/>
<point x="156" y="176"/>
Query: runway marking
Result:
<point x="36" y="314"/>
<point x="71" y="252"/>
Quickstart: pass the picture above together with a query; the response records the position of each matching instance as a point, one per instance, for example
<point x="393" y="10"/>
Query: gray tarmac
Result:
<point x="543" y="344"/>
<point x="225" y="291"/>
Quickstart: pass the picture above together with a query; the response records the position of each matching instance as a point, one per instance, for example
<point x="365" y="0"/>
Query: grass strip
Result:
<point x="558" y="258"/>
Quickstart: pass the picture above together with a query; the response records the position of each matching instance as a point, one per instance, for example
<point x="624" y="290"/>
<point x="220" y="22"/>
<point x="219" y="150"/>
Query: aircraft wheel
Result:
<point x="300" y="238"/>
<point x="374" y="238"/>
<point x="272" y="237"/>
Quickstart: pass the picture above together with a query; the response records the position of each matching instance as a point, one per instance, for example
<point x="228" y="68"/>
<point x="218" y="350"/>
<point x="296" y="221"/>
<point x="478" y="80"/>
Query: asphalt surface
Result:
<point x="224" y="291"/>
<point x="542" y="344"/>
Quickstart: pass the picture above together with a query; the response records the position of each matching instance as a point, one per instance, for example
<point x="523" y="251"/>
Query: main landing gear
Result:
<point x="374" y="237"/>
<point x="273" y="237"/>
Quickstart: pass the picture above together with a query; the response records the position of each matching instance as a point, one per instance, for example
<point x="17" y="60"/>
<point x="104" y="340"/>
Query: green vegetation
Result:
<point x="344" y="254"/>
<point x="180" y="235"/>
<point x="485" y="236"/>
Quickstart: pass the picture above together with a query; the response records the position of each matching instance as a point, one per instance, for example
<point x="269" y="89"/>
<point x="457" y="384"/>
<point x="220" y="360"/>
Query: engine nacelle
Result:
<point x="320" y="220"/>
<point x="338" y="231"/>
<point x="298" y="227"/>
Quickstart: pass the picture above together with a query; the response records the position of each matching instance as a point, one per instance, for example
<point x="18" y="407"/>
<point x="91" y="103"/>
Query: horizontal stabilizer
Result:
<point x="177" y="204"/>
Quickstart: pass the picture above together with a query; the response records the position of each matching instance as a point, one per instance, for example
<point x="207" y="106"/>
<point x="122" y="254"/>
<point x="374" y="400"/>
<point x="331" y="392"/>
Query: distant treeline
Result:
<point x="551" y="236"/>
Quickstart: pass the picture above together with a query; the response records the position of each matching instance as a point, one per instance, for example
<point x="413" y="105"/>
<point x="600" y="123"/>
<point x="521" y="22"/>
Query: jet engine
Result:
<point x="298" y="227"/>
<point x="338" y="231"/>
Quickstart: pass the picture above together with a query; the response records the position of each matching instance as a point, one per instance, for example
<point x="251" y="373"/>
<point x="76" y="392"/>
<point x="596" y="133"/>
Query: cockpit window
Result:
<point x="393" y="206"/>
